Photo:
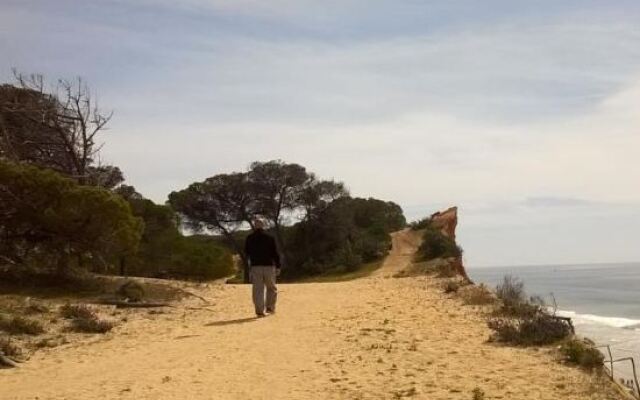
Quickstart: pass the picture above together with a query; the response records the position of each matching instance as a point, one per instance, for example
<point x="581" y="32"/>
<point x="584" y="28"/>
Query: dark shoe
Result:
<point x="260" y="315"/>
<point x="271" y="311"/>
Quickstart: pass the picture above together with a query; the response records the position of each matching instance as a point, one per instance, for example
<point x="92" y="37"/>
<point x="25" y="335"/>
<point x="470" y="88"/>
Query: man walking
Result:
<point x="264" y="264"/>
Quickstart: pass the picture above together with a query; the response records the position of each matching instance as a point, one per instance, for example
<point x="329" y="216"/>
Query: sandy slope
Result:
<point x="374" y="338"/>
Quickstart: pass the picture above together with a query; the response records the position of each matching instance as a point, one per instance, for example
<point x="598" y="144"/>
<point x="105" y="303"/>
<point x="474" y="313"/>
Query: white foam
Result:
<point x="615" y="322"/>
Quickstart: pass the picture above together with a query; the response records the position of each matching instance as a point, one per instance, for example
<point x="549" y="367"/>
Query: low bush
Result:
<point x="477" y="295"/>
<point x="77" y="311"/>
<point x="478" y="394"/>
<point x="9" y="349"/>
<point x="582" y="353"/>
<point x="451" y="287"/>
<point x="36" y="308"/>
<point x="17" y="325"/>
<point x="436" y="245"/>
<point x="84" y="319"/>
<point x="541" y="329"/>
<point x="420" y="224"/>
<point x="511" y="291"/>
<point x="514" y="299"/>
<point x="92" y="325"/>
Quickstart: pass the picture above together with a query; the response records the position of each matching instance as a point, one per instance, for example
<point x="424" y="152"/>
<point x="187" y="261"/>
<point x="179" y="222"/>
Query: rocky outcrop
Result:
<point x="447" y="221"/>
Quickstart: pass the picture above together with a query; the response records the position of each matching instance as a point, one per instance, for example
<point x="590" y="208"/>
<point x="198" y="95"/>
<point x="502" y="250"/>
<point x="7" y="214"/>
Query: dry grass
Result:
<point x="477" y="295"/>
<point x="17" y="325"/>
<point x="9" y="348"/>
<point x="77" y="311"/>
<point x="92" y="325"/>
<point x="84" y="319"/>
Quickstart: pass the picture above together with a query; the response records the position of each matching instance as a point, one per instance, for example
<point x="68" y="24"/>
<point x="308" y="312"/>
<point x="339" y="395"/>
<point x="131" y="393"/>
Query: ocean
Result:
<point x="603" y="301"/>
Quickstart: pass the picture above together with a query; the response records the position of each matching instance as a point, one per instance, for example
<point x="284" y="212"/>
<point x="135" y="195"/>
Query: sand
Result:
<point x="378" y="337"/>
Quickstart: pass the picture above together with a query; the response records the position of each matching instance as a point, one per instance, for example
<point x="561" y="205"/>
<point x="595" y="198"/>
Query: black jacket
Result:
<point x="261" y="249"/>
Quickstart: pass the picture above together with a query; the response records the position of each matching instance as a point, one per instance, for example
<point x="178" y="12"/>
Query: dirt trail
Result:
<point x="374" y="338"/>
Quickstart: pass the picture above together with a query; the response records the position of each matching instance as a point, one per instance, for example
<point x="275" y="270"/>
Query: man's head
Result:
<point x="258" y="224"/>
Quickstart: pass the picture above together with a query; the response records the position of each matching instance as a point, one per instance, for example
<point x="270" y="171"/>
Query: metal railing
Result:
<point x="634" y="390"/>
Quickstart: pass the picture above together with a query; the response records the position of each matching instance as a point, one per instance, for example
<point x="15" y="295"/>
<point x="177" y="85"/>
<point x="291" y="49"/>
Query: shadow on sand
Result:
<point x="232" y="321"/>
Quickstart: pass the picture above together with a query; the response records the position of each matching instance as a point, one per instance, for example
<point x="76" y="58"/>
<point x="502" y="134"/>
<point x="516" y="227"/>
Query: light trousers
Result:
<point x="264" y="277"/>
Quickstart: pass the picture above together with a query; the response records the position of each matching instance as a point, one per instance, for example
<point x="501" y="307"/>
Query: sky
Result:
<point x="524" y="114"/>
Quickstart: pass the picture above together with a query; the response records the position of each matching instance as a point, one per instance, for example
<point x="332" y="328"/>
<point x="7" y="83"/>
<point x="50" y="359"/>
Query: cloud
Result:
<point x="524" y="115"/>
<point x="543" y="202"/>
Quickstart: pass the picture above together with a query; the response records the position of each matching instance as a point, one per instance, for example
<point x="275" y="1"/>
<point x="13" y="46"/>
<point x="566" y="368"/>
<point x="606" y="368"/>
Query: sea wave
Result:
<point x="615" y="322"/>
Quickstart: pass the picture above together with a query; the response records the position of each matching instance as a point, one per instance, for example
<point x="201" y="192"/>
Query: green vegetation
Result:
<point x="541" y="329"/>
<point x="436" y="245"/>
<point x="514" y="299"/>
<point x="54" y="222"/>
<point x="420" y="224"/>
<point x="335" y="232"/>
<point x="340" y="274"/>
<point x="525" y="321"/>
<point x="347" y="234"/>
<point x="165" y="253"/>
<point x="65" y="212"/>
<point x="56" y="130"/>
<point x="583" y="354"/>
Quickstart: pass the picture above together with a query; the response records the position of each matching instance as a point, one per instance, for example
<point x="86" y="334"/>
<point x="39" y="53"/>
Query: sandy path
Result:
<point x="374" y="338"/>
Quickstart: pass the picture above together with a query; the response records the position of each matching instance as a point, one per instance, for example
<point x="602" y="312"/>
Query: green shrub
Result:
<point x="17" y="325"/>
<point x="59" y="223"/>
<point x="199" y="258"/>
<point x="436" y="245"/>
<point x="514" y="299"/>
<point x="541" y="329"/>
<point x="348" y="233"/>
<point x="420" y="224"/>
<point x="583" y="354"/>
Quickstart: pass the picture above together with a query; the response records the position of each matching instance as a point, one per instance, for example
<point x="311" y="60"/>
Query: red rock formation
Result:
<point x="447" y="221"/>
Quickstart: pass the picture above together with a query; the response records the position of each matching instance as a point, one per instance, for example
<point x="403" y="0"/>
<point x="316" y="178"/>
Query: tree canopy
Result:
<point x="165" y="252"/>
<point x="52" y="218"/>
<point x="316" y="224"/>
<point x="56" y="129"/>
<point x="273" y="190"/>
